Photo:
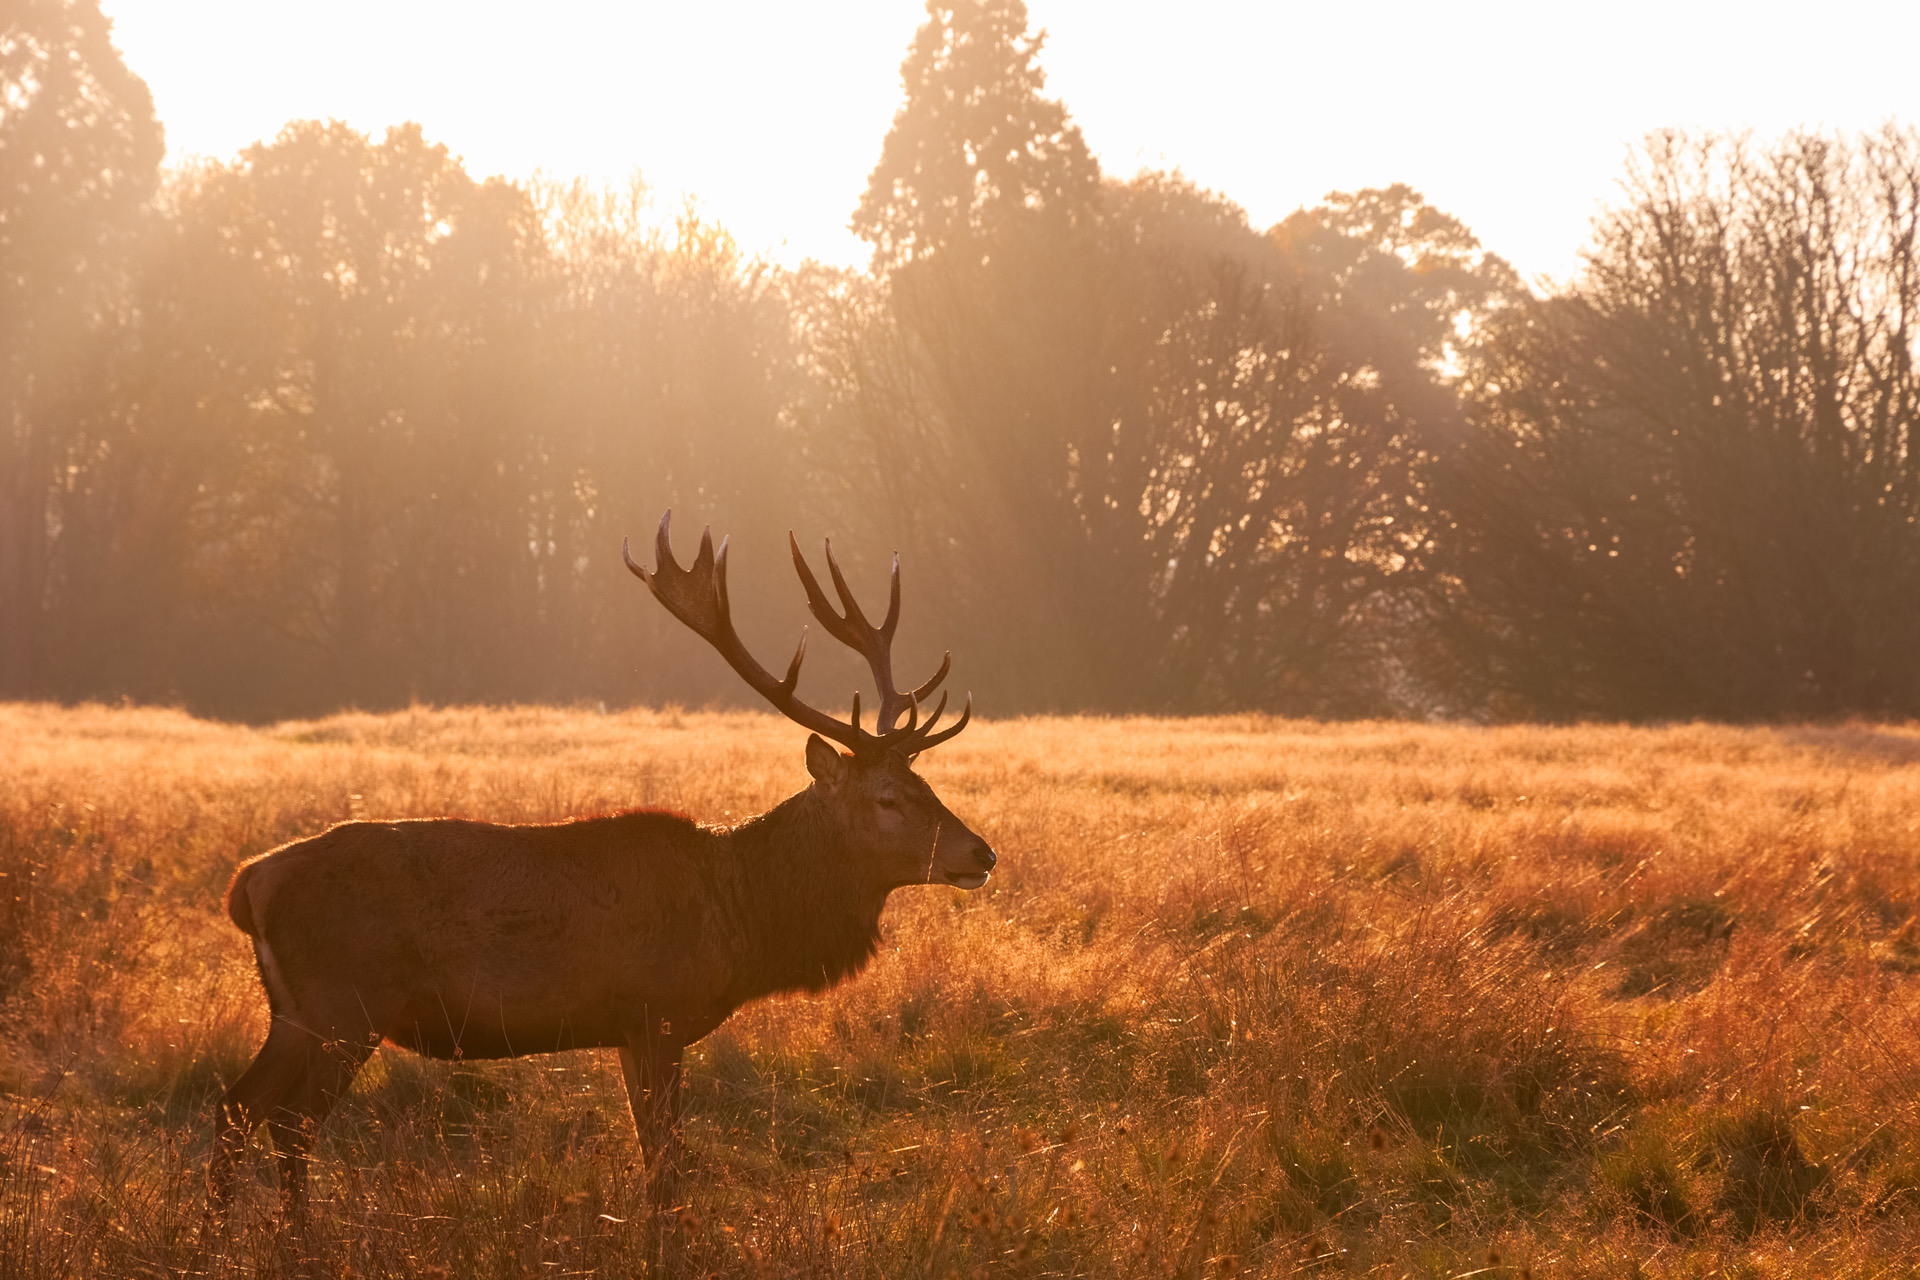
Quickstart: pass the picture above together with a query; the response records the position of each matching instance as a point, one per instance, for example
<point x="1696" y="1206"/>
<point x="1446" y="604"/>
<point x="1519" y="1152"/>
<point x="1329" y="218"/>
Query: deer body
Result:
<point x="475" y="940"/>
<point x="640" y="931"/>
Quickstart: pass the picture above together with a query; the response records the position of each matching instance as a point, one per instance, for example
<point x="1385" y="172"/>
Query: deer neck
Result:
<point x="809" y="919"/>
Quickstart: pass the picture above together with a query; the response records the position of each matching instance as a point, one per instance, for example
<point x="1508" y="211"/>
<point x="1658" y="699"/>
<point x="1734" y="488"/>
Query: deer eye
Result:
<point x="886" y="803"/>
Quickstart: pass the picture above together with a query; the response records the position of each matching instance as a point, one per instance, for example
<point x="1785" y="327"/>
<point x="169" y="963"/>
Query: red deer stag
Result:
<point x="641" y="931"/>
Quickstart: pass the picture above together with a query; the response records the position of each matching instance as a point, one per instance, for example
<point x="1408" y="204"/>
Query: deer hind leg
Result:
<point x="277" y="1074"/>
<point x="328" y="1070"/>
<point x="291" y="1085"/>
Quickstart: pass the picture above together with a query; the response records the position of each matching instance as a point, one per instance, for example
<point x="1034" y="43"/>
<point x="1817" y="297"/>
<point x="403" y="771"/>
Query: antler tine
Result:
<point x="939" y="709"/>
<point x="928" y="740"/>
<point x="725" y="603"/>
<point x="635" y="567"/>
<point x="926" y="690"/>
<point x="817" y="600"/>
<point x="719" y="577"/>
<point x="852" y="606"/>
<point x="853" y="630"/>
<point x="792" y="681"/>
<point x="663" y="545"/>
<point x="698" y="597"/>
<point x="908" y="736"/>
<point x="893" y="602"/>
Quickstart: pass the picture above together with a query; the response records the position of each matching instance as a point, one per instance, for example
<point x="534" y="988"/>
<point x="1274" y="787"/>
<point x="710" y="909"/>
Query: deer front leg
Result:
<point x="651" y="1062"/>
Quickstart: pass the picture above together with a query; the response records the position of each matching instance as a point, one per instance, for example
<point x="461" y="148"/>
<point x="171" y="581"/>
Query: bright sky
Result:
<point x="1516" y="117"/>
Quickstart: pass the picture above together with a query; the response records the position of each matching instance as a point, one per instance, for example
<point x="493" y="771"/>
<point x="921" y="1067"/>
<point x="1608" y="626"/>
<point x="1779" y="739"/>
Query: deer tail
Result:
<point x="239" y="907"/>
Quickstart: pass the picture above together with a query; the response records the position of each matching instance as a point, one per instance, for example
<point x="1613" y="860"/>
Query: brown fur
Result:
<point x="639" y="931"/>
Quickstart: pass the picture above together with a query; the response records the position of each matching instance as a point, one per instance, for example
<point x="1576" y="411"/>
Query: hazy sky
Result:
<point x="1514" y="116"/>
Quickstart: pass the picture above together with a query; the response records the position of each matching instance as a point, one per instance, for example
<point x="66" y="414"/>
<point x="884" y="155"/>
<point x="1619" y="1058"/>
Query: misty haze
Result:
<point x="1442" y="744"/>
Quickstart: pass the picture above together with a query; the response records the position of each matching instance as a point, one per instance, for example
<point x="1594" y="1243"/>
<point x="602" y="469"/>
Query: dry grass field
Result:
<point x="1246" y="997"/>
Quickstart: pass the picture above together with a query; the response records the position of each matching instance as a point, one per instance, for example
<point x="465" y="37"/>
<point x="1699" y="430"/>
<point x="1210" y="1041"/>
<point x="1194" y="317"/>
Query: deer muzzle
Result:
<point x="969" y="866"/>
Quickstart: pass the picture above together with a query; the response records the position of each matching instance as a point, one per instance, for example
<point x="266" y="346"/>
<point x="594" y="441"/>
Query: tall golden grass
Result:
<point x="1246" y="997"/>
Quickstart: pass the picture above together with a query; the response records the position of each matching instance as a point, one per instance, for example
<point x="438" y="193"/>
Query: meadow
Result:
<point x="1245" y="997"/>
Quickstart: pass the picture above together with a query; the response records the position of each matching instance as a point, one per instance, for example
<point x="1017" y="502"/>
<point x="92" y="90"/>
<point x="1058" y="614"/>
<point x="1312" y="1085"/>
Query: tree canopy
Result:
<point x="975" y="147"/>
<point x="1691" y="488"/>
<point x="335" y="423"/>
<point x="80" y="154"/>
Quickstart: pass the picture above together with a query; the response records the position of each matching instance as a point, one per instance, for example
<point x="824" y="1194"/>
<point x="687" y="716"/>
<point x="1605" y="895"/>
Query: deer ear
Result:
<point x="827" y="765"/>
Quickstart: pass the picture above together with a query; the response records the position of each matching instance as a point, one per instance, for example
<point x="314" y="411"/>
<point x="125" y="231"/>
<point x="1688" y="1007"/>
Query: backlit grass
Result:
<point x="1246" y="996"/>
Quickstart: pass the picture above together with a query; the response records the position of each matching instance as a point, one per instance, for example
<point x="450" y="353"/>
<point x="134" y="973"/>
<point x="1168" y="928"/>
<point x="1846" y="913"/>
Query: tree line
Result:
<point x="334" y="423"/>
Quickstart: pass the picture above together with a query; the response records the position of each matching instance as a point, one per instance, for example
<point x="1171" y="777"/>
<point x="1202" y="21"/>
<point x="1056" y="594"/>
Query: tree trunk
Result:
<point x="23" y="531"/>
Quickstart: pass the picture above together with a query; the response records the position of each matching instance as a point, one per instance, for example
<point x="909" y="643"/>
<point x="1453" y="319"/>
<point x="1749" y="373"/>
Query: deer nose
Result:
<point x="984" y="855"/>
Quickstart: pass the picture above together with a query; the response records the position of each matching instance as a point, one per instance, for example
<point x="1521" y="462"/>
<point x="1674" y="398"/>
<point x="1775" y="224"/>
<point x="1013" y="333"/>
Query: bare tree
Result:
<point x="1692" y="487"/>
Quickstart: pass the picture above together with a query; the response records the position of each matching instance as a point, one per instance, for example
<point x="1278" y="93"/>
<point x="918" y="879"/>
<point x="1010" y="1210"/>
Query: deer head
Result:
<point x="892" y="823"/>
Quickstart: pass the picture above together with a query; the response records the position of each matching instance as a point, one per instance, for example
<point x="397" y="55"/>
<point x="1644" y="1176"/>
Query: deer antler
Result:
<point x="697" y="596"/>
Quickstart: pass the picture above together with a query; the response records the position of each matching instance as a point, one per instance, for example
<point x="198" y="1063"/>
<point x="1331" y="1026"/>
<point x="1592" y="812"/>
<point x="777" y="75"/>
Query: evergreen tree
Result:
<point x="975" y="144"/>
